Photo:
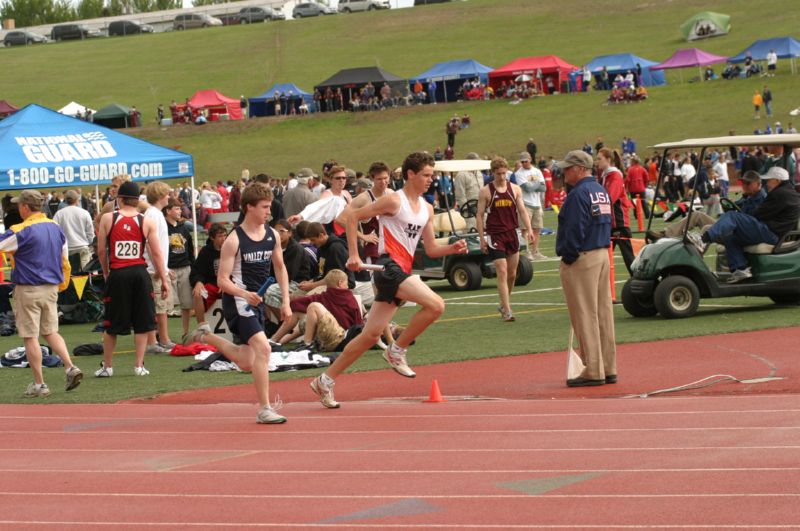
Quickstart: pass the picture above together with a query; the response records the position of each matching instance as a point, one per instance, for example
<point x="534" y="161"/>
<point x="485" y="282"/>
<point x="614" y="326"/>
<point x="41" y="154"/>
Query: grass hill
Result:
<point x="152" y="69"/>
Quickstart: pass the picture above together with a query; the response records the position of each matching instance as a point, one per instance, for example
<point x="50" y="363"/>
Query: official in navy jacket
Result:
<point x="584" y="235"/>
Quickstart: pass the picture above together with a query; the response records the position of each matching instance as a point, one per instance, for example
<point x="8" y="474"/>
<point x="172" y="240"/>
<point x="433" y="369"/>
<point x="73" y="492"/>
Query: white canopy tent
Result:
<point x="72" y="108"/>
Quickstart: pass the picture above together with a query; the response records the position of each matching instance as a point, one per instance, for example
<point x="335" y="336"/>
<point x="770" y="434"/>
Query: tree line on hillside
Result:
<point x="37" y="12"/>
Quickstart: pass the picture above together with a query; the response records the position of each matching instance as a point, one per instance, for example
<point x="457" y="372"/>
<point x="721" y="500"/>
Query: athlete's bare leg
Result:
<point x="380" y="315"/>
<point x="501" y="267"/>
<point x="511" y="276"/>
<point x="252" y="357"/>
<point x="413" y="289"/>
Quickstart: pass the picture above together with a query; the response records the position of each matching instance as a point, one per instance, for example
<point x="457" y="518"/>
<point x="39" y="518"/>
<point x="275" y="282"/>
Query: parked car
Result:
<point x="248" y="15"/>
<point x="351" y="6"/>
<point x="64" y="32"/>
<point x="128" y="27"/>
<point x="311" y="9"/>
<point x="194" y="20"/>
<point x="22" y="38"/>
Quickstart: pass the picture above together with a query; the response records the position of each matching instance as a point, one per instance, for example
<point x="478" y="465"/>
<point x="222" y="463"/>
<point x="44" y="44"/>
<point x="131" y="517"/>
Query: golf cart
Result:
<point x="464" y="272"/>
<point x="669" y="277"/>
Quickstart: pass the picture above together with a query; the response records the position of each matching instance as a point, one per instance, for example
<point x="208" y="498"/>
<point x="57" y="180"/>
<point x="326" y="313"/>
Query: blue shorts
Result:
<point x="242" y="323"/>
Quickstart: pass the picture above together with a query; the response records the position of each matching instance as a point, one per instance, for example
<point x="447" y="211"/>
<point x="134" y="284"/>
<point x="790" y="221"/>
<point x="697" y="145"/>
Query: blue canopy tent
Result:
<point x="264" y="104"/>
<point x="785" y="48"/>
<point x="449" y="76"/>
<point x="44" y="149"/>
<point x="621" y="63"/>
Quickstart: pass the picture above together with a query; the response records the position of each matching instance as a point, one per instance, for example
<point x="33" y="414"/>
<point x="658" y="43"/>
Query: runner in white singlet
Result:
<point x="404" y="217"/>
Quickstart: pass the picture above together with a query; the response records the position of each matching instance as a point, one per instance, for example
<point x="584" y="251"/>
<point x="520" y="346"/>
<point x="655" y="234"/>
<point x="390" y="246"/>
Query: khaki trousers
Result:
<point x="588" y="293"/>
<point x="699" y="221"/>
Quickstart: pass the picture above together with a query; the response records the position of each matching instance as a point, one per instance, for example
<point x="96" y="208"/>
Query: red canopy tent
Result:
<point x="216" y="104"/>
<point x="6" y="109"/>
<point x="550" y="65"/>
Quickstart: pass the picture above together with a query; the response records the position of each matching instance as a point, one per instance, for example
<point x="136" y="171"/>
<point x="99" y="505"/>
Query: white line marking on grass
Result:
<point x="515" y="304"/>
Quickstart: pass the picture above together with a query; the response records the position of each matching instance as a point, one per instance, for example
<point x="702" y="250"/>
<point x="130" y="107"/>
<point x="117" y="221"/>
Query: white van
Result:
<point x="351" y="6"/>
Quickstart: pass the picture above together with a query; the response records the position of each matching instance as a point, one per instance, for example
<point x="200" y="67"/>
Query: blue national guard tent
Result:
<point x="44" y="149"/>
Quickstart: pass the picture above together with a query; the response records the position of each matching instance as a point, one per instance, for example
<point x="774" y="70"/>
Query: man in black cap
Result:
<point x="121" y="238"/>
<point x="41" y="270"/>
<point x="582" y="242"/>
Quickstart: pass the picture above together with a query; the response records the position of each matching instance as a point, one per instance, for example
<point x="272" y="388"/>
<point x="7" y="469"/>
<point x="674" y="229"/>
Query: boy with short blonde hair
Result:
<point x="329" y="315"/>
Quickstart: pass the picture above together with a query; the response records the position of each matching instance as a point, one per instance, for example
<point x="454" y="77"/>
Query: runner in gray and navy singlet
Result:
<point x="251" y="268"/>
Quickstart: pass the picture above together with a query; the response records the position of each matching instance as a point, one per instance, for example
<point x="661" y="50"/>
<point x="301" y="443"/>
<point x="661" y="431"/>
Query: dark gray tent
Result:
<point x="114" y="116"/>
<point x="353" y="79"/>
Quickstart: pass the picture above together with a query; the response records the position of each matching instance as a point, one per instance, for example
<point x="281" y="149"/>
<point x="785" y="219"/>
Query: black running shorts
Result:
<point x="388" y="281"/>
<point x="129" y="301"/>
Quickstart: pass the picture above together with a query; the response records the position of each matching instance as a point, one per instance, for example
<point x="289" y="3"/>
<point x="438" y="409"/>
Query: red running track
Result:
<point x="683" y="462"/>
<point x="729" y="457"/>
<point x="643" y="368"/>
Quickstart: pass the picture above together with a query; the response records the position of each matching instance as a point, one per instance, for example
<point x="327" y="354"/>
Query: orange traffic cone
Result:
<point x="436" y="395"/>
<point x="640" y="214"/>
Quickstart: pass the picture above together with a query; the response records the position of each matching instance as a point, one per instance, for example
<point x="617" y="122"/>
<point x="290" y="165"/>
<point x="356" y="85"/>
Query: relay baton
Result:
<point x="262" y="289"/>
<point x="371" y="267"/>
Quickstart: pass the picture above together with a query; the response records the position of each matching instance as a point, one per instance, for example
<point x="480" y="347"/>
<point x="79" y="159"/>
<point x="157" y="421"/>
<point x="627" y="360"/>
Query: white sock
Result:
<point x="324" y="378"/>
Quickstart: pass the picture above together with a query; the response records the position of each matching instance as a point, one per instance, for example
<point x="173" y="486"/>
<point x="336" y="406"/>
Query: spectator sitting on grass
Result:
<point x="330" y="316"/>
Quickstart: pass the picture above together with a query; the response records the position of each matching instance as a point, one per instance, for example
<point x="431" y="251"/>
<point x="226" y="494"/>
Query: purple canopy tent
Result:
<point x="687" y="57"/>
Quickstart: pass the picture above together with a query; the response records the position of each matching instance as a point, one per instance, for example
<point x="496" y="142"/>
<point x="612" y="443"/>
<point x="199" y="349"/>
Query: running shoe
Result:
<point x="157" y="348"/>
<point x="324" y="392"/>
<point x="140" y="371"/>
<point x="396" y="357"/>
<point x="37" y="391"/>
<point x="507" y="317"/>
<point x="539" y="256"/>
<point x="104" y="372"/>
<point x="74" y="377"/>
<point x="196" y="335"/>
<point x="268" y="415"/>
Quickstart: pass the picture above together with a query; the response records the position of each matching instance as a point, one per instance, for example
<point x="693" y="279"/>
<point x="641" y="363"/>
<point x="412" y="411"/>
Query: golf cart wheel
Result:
<point x="676" y="297"/>
<point x="786" y="300"/>
<point x="524" y="271"/>
<point x="634" y="305"/>
<point x="465" y="276"/>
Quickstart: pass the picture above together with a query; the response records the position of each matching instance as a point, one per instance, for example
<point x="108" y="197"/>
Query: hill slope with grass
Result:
<point x="151" y="69"/>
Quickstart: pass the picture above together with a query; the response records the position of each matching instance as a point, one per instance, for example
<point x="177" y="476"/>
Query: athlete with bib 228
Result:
<point x="501" y="202"/>
<point x="244" y="265"/>
<point x="404" y="217"/>
<point x="129" y="298"/>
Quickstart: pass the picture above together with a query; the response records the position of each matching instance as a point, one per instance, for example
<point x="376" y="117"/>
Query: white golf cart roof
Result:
<point x="467" y="165"/>
<point x="735" y="141"/>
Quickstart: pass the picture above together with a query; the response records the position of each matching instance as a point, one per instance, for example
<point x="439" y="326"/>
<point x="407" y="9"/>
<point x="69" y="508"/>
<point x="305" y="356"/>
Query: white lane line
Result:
<point x="399" y="496"/>
<point x="349" y="525"/>
<point x="273" y="471"/>
<point x="228" y="418"/>
<point x="405" y="431"/>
